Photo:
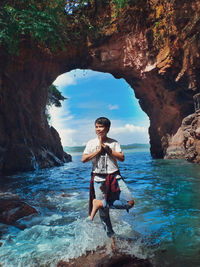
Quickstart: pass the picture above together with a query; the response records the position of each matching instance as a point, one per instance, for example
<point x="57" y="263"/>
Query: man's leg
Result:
<point x="96" y="204"/>
<point x="103" y="211"/>
<point x="105" y="220"/>
<point x="125" y="199"/>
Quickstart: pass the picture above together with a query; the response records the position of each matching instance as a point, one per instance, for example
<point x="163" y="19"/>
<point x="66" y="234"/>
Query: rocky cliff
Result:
<point x="153" y="45"/>
<point x="27" y="142"/>
<point x="186" y="142"/>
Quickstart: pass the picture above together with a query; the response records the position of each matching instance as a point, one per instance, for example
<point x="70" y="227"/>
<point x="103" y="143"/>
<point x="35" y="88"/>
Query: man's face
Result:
<point x="101" y="130"/>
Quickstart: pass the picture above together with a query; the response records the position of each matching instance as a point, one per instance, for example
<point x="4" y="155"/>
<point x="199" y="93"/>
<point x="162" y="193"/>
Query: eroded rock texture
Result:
<point x="154" y="47"/>
<point x="186" y="142"/>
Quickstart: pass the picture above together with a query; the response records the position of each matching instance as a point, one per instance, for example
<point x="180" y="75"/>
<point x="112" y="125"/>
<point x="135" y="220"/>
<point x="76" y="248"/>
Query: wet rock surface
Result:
<point x="100" y="259"/>
<point x="12" y="210"/>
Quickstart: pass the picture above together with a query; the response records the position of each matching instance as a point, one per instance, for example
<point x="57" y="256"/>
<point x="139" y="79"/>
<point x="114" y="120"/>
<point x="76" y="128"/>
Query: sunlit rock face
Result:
<point x="157" y="53"/>
<point x="186" y="142"/>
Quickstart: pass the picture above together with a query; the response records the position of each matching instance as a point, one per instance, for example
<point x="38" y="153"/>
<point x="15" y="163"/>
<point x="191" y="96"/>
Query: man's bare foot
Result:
<point x="96" y="205"/>
<point x="112" y="245"/>
<point x="131" y="202"/>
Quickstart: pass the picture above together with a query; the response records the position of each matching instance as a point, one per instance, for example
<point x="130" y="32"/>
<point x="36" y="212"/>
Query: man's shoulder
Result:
<point x="111" y="140"/>
<point x="92" y="141"/>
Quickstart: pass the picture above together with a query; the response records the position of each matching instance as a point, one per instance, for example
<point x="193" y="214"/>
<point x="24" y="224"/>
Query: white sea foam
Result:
<point x="163" y="225"/>
<point x="45" y="245"/>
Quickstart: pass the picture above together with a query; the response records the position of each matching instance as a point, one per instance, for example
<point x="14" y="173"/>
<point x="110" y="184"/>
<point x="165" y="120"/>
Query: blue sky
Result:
<point x="94" y="94"/>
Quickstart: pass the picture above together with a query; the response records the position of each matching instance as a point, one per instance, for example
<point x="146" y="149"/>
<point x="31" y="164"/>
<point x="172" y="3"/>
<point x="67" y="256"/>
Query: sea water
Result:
<point x="164" y="225"/>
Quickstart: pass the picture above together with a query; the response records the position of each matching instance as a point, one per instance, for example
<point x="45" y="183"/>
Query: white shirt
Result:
<point x="103" y="163"/>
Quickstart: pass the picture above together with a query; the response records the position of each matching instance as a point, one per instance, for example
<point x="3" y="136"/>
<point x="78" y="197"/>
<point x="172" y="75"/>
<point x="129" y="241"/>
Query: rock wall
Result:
<point x="154" y="47"/>
<point x="186" y="142"/>
<point x="27" y="142"/>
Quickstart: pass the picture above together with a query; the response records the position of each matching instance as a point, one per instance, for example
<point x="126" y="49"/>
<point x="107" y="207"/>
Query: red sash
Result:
<point x="111" y="187"/>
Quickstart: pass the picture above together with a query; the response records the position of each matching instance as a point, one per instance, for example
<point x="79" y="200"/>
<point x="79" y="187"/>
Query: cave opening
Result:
<point x="91" y="94"/>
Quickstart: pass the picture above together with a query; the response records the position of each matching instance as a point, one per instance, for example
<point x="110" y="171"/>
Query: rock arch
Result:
<point x="163" y="80"/>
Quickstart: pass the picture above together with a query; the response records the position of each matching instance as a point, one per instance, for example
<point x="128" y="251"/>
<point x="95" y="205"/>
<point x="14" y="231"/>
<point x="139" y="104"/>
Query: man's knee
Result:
<point x="131" y="203"/>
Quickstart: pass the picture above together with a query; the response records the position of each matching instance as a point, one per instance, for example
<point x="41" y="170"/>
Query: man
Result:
<point x="107" y="188"/>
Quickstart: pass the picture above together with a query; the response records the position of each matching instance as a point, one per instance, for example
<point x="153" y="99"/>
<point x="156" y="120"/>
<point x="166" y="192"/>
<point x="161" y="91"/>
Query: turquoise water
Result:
<point x="163" y="226"/>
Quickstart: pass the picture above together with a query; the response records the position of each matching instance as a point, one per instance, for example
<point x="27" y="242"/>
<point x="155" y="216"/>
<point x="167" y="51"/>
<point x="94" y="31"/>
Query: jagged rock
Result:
<point x="185" y="143"/>
<point x="67" y="157"/>
<point x="176" y="147"/>
<point x="197" y="133"/>
<point x="99" y="259"/>
<point x="12" y="210"/>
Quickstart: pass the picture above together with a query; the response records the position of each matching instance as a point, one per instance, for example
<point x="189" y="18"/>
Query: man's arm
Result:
<point x="118" y="155"/>
<point x="88" y="157"/>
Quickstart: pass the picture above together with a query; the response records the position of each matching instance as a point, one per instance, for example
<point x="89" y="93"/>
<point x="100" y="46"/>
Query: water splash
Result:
<point x="163" y="226"/>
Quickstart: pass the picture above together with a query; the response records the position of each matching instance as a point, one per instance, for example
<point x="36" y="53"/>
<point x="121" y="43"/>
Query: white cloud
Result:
<point x="113" y="107"/>
<point x="75" y="132"/>
<point x="68" y="118"/>
<point x="59" y="116"/>
<point x="60" y="120"/>
<point x="71" y="78"/>
<point x="65" y="80"/>
<point x="67" y="137"/>
<point x="127" y="133"/>
<point x="128" y="128"/>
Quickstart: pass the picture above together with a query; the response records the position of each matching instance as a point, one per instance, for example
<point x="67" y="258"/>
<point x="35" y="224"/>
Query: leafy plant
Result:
<point x="54" y="99"/>
<point x="53" y="24"/>
<point x="29" y="19"/>
<point x="54" y="96"/>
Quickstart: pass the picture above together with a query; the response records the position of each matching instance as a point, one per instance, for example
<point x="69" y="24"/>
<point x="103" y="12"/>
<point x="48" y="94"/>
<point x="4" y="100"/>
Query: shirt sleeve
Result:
<point x="87" y="149"/>
<point x="117" y="147"/>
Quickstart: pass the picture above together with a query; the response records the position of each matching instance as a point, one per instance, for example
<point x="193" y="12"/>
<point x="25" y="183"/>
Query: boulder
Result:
<point x="185" y="143"/>
<point x="12" y="210"/>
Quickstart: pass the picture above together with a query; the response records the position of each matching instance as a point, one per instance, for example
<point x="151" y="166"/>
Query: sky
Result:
<point x="91" y="95"/>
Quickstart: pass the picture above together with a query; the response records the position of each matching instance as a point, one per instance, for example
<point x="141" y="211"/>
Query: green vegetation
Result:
<point x="40" y="22"/>
<point x="119" y="5"/>
<point x="54" y="96"/>
<point x="47" y="24"/>
<point x="54" y="99"/>
<point x="52" y="24"/>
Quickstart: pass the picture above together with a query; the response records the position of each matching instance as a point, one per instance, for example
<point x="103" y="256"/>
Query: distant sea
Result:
<point x="164" y="225"/>
<point x="135" y="147"/>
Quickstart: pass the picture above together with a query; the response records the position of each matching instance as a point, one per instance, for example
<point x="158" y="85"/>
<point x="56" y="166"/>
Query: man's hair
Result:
<point x="103" y="121"/>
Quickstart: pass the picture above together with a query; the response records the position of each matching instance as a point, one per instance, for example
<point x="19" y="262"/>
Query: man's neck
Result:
<point x="104" y="138"/>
